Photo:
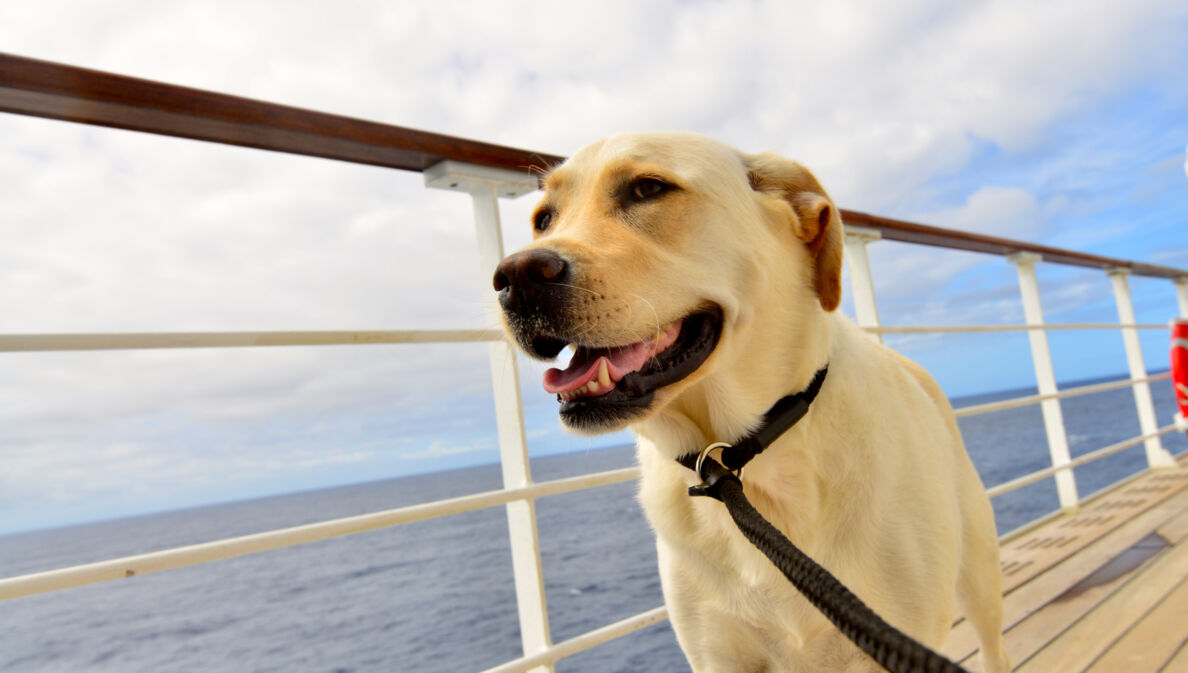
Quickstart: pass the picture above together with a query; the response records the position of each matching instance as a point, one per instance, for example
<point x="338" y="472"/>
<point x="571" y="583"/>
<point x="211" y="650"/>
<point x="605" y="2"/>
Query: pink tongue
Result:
<point x="583" y="367"/>
<point x="620" y="361"/>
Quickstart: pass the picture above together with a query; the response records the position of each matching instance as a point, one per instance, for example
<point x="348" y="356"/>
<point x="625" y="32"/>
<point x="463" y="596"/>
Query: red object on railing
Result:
<point x="1179" y="362"/>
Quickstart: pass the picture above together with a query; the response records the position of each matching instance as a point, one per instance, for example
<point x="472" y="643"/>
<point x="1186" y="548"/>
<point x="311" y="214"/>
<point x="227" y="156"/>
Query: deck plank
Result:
<point x="1147" y="646"/>
<point x="1024" y="600"/>
<point x="1176" y="529"/>
<point x="1056" y="576"/>
<point x="1078" y="645"/>
<point x="1027" y="556"/>
<point x="1179" y="661"/>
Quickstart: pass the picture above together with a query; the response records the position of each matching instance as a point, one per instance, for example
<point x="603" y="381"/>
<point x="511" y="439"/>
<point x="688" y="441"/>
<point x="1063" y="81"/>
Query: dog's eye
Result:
<point x="643" y="189"/>
<point x="542" y="220"/>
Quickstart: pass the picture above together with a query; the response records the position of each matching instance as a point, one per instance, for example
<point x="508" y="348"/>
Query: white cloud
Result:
<point x="925" y="276"/>
<point x="441" y="448"/>
<point x="1008" y="212"/>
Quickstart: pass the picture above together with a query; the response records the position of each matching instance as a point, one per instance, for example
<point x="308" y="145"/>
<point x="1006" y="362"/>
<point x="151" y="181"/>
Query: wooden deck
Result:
<point x="1099" y="590"/>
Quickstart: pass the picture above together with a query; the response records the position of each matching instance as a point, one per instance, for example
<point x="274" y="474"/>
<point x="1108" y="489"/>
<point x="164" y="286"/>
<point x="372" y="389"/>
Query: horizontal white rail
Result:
<point x="1038" y="475"/>
<point x="583" y="642"/>
<point x="154" y="340"/>
<point x="1015" y="402"/>
<point x="139" y="340"/>
<point x="129" y="566"/>
<point x="941" y="329"/>
<point x="103" y="571"/>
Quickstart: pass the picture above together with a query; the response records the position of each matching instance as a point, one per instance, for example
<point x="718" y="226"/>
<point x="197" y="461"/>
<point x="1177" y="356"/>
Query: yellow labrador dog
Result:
<point x="698" y="285"/>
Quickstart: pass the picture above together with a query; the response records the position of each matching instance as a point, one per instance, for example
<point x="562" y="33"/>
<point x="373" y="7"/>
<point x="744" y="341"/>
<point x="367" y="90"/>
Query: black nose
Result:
<point x="523" y="278"/>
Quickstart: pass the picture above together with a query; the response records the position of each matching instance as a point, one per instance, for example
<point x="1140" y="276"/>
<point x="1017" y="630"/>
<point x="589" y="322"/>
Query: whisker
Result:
<point x="576" y="287"/>
<point x="655" y="319"/>
<point x="655" y="316"/>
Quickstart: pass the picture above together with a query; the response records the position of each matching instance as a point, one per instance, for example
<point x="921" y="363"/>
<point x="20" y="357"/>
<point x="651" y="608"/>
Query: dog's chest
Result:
<point x="701" y="537"/>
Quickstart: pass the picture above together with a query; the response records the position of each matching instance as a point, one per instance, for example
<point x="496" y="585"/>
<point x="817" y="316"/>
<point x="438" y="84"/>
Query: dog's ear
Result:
<point x="816" y="220"/>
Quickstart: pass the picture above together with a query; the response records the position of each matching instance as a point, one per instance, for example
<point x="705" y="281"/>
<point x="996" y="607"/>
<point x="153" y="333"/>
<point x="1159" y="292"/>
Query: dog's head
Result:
<point x="660" y="258"/>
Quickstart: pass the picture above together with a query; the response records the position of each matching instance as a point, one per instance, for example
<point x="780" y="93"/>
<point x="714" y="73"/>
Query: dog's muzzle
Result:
<point x="605" y="384"/>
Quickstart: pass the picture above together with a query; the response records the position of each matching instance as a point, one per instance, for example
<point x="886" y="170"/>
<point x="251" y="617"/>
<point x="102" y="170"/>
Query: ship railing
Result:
<point x="487" y="173"/>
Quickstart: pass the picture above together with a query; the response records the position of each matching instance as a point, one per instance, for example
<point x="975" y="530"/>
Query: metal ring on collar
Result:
<point x="705" y="452"/>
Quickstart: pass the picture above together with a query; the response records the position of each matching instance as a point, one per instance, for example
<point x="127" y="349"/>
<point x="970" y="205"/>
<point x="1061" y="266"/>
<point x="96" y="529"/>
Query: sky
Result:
<point x="1063" y="123"/>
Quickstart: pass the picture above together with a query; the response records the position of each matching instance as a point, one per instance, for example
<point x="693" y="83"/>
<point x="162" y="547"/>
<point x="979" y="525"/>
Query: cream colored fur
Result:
<point x="874" y="483"/>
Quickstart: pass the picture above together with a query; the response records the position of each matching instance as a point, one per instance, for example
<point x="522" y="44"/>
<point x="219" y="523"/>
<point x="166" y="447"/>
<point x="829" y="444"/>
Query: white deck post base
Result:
<point x="485" y="185"/>
<point x="1045" y="378"/>
<point x="861" y="282"/>
<point x="1157" y="456"/>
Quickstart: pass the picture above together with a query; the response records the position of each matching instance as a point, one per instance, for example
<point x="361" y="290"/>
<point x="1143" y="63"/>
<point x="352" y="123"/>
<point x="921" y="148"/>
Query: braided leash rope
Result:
<point x="889" y="647"/>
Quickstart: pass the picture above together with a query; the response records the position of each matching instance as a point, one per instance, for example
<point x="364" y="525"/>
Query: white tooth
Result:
<point x="603" y="374"/>
<point x="592" y="386"/>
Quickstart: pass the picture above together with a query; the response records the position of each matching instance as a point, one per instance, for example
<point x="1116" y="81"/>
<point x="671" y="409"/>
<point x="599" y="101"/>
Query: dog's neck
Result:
<point x="731" y="401"/>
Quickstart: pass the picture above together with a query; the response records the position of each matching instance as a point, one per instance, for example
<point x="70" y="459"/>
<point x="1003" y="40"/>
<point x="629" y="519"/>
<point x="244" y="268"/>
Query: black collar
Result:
<point x="783" y="415"/>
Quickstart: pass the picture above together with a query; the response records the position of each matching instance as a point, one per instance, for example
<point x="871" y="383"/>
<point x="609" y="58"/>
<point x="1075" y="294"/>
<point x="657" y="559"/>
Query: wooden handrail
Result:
<point x="923" y="234"/>
<point x="44" y="89"/>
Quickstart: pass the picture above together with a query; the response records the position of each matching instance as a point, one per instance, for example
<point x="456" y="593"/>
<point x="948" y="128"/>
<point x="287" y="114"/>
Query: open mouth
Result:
<point x="603" y="386"/>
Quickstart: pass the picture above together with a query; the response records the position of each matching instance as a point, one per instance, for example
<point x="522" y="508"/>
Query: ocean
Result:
<point x="436" y="596"/>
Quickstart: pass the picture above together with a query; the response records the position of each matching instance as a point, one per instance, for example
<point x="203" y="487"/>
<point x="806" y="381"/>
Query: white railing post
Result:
<point x="485" y="186"/>
<point x="1045" y="377"/>
<point x="861" y="282"/>
<point x="1157" y="456"/>
<point x="1182" y="295"/>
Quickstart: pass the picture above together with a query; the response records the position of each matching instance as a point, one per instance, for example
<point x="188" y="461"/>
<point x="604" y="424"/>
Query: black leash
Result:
<point x="889" y="647"/>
